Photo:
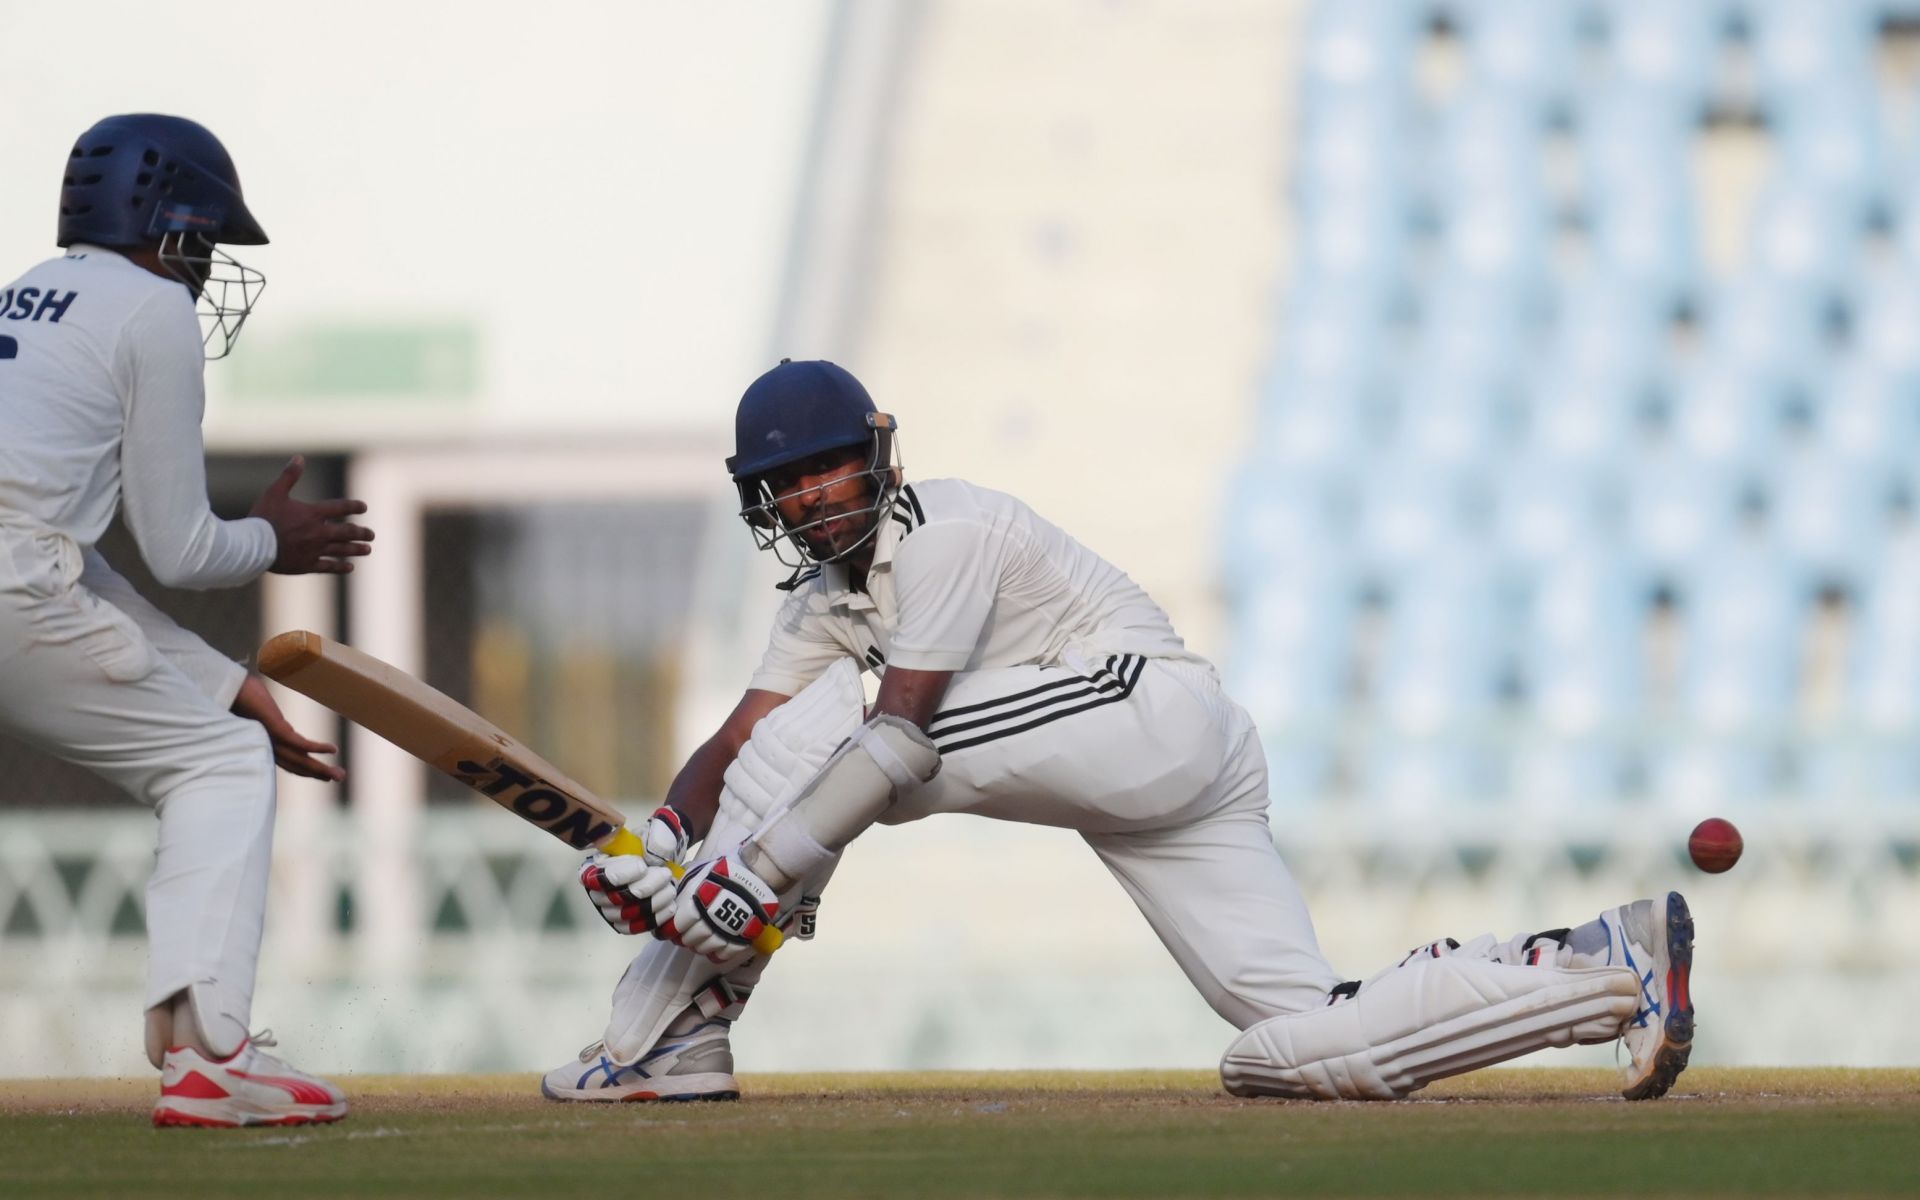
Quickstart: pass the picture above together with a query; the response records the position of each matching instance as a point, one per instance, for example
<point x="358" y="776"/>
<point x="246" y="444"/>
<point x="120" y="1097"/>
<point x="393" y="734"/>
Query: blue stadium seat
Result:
<point x="1884" y="678"/>
<point x="1472" y="323"/>
<point x="1583" y="415"/>
<point x="1638" y="197"/>
<point x="1774" y="330"/>
<point x="1800" y="47"/>
<point x="1353" y="151"/>
<point x="1743" y="610"/>
<point x="1830" y="512"/>
<point x="1885" y="669"/>
<point x="1664" y="50"/>
<point x="1526" y="52"/>
<point x="1451" y="410"/>
<point x="1328" y="337"/>
<point x="1808" y="237"/>
<point x="1606" y="324"/>
<point x="1545" y="508"/>
<point x="1411" y="505"/>
<point x="1440" y="663"/>
<point x="1583" y="646"/>
<point x="1832" y="144"/>
<point x="1863" y="411"/>
<point x="1886" y="318"/>
<point x="1352" y="243"/>
<point x="1725" y="407"/>
<point x="1289" y="519"/>
<point x="1678" y="507"/>
<point x="1490" y="144"/>
<point x="1307" y="425"/>
<point x="1293" y="651"/>
<point x="1358" y="46"/>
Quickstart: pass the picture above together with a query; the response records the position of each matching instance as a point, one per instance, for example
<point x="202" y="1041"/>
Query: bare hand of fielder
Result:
<point x="312" y="537"/>
<point x="292" y="751"/>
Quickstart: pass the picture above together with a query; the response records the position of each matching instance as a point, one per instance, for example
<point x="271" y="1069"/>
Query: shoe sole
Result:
<point x="1677" y="1029"/>
<point x="637" y="1096"/>
<point x="173" y="1118"/>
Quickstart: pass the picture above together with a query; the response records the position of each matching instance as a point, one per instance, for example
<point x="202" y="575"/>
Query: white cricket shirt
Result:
<point x="101" y="396"/>
<point x="965" y="579"/>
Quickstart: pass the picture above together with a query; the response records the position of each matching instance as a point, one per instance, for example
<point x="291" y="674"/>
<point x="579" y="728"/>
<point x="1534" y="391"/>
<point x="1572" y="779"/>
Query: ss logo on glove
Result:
<point x="731" y="915"/>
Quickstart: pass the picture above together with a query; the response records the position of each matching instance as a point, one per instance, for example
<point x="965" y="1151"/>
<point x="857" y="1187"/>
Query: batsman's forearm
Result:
<point x="695" y="791"/>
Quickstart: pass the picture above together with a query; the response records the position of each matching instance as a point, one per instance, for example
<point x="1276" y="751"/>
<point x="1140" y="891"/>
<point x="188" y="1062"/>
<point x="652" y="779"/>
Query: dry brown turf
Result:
<point x="1522" y="1132"/>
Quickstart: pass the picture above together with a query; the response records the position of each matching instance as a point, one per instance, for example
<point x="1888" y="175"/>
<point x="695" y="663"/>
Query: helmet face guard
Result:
<point x="760" y="507"/>
<point x="224" y="289"/>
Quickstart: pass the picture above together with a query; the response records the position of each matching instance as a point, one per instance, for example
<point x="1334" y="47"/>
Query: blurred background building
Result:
<point x="1519" y="400"/>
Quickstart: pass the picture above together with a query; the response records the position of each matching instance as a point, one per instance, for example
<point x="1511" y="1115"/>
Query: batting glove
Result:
<point x="722" y="907"/>
<point x="634" y="893"/>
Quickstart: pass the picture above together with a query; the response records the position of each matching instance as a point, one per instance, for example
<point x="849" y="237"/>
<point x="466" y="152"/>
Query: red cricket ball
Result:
<point x="1715" y="845"/>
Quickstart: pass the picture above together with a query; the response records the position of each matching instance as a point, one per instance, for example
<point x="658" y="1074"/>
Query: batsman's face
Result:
<point x="827" y="500"/>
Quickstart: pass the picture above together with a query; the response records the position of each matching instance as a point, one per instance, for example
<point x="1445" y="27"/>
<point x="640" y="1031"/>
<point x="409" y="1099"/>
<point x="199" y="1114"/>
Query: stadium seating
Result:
<point x="1579" y="470"/>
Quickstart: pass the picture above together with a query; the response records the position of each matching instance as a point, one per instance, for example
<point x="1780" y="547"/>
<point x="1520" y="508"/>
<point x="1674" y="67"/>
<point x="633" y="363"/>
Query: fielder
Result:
<point x="1025" y="678"/>
<point x="101" y="394"/>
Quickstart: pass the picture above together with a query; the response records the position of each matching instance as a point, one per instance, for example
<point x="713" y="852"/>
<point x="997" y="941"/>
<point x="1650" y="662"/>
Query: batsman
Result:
<point x="1023" y="677"/>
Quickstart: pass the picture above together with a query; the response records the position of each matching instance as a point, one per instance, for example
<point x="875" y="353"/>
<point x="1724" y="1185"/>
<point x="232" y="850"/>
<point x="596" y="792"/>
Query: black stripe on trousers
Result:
<point x="997" y="709"/>
<point x="1110" y="697"/>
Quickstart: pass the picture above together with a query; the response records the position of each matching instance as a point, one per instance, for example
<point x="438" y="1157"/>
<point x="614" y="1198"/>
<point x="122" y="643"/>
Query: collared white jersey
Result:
<point x="965" y="579"/>
<point x="101" y="398"/>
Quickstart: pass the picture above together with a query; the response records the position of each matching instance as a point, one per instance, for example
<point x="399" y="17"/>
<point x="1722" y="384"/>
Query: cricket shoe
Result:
<point x="1654" y="938"/>
<point x="248" y="1087"/>
<point x="696" y="1065"/>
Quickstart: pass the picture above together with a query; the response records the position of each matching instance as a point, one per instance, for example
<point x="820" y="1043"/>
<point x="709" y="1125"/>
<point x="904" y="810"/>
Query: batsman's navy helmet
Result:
<point x="134" y="178"/>
<point x="790" y="414"/>
<point x="795" y="411"/>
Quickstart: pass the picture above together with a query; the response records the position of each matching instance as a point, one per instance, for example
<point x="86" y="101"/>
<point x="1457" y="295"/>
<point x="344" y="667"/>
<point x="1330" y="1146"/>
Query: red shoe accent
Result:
<point x="195" y="1086"/>
<point x="640" y="1096"/>
<point x="1677" y="998"/>
<point x="301" y="1091"/>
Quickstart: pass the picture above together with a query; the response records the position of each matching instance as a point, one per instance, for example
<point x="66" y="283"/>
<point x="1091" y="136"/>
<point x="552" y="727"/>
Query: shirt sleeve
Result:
<point x="218" y="676"/>
<point x="945" y="578"/>
<point x="799" y="650"/>
<point x="163" y="461"/>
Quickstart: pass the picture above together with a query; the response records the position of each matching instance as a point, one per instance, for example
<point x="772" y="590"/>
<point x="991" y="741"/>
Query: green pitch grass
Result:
<point x="1502" y="1133"/>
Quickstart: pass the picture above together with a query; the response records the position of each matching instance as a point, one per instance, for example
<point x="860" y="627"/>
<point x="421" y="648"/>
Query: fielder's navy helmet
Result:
<point x="790" y="414"/>
<point x="135" y="178"/>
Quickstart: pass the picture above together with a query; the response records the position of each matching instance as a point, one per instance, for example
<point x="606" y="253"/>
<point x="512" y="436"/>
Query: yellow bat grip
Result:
<point x="626" y="841"/>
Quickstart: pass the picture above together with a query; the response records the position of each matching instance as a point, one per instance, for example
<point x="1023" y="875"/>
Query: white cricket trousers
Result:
<point x="80" y="681"/>
<point x="1163" y="775"/>
<point x="1148" y="759"/>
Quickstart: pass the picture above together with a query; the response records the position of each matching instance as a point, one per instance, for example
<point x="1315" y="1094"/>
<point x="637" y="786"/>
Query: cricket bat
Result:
<point x="455" y="740"/>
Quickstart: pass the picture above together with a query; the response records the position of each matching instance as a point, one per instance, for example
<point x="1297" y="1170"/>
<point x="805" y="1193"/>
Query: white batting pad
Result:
<point x="1425" y="1021"/>
<point x="877" y="763"/>
<point x="789" y="745"/>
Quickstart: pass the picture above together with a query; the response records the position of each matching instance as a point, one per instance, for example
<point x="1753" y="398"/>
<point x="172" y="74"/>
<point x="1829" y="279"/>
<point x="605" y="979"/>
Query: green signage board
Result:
<point x="343" y="360"/>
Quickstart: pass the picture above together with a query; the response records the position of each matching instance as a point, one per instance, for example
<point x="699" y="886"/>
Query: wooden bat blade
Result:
<point x="435" y="728"/>
<point x="447" y="735"/>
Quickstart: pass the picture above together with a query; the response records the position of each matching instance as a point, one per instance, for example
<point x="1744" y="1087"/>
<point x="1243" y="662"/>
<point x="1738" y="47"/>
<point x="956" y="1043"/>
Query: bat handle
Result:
<point x="626" y="841"/>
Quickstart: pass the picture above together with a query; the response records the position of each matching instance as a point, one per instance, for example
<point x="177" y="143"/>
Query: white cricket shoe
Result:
<point x="248" y="1087"/>
<point x="1655" y="939"/>
<point x="696" y="1065"/>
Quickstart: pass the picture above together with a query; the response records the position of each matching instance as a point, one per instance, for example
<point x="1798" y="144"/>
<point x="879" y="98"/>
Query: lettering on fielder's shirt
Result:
<point x="965" y="578"/>
<point x="101" y="395"/>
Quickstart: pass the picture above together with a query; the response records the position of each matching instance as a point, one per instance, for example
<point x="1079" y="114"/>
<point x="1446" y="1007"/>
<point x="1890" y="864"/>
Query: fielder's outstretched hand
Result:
<point x="311" y="537"/>
<point x="634" y="893"/>
<point x="722" y="908"/>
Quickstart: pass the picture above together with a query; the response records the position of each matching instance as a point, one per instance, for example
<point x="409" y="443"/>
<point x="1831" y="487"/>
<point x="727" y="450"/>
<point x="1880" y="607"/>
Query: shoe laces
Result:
<point x="263" y="1038"/>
